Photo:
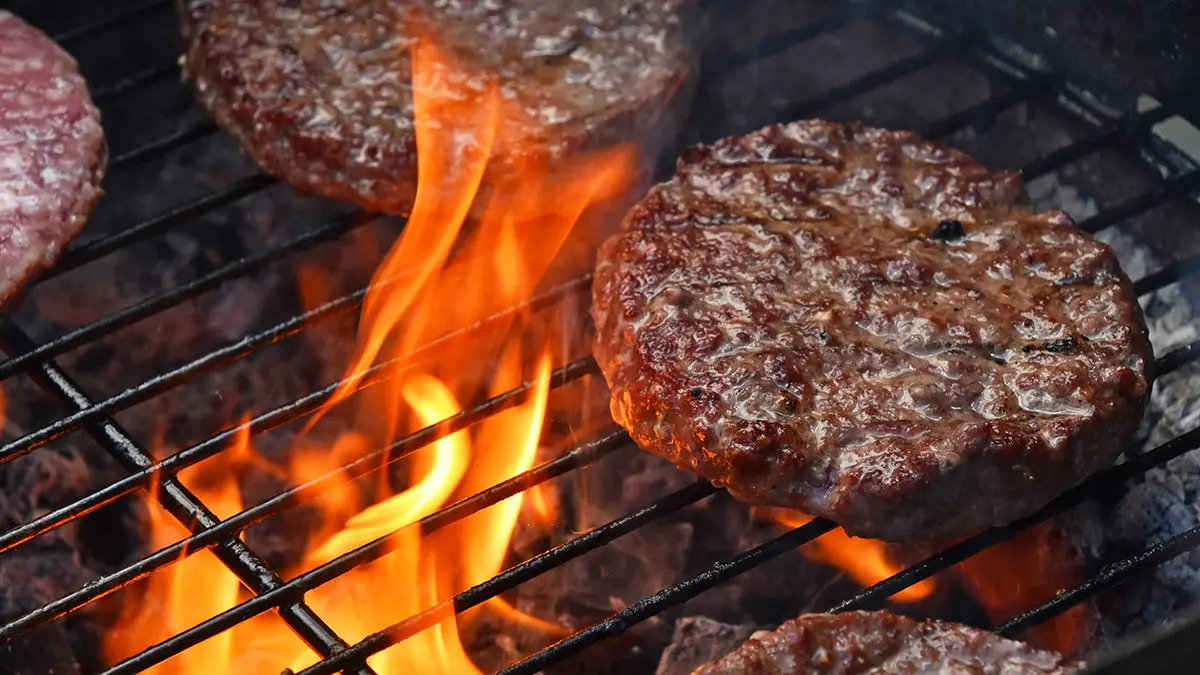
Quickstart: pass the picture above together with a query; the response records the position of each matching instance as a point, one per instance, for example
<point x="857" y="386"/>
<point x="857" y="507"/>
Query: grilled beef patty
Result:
<point x="319" y="92"/>
<point x="880" y="643"/>
<point x="861" y="324"/>
<point x="52" y="152"/>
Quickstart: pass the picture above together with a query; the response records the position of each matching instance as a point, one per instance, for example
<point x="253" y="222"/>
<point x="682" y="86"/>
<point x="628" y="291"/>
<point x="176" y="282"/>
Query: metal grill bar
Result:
<point x="188" y="134"/>
<point x="960" y="551"/>
<point x="232" y="526"/>
<point x="1173" y="188"/>
<point x="135" y="81"/>
<point x="1163" y="652"/>
<point x="655" y="604"/>
<point x="1168" y="275"/>
<point x="1111" y="576"/>
<point x="1033" y="88"/>
<point x="291" y="412"/>
<point x="723" y="64"/>
<point x="95" y="249"/>
<point x="371" y="551"/>
<point x="1132" y="127"/>
<point x="873" y="80"/>
<point x="251" y="570"/>
<point x="111" y="323"/>
<point x="111" y="19"/>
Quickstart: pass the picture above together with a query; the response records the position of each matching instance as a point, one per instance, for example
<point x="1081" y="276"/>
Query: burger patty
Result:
<point x="319" y="92"/>
<point x="863" y="325"/>
<point x="865" y="643"/>
<point x="52" y="152"/>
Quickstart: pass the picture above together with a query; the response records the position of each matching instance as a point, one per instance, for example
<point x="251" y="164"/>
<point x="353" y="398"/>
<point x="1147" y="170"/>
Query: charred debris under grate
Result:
<point x="192" y="251"/>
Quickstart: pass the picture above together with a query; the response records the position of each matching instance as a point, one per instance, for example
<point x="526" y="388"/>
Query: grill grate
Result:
<point x="1023" y="84"/>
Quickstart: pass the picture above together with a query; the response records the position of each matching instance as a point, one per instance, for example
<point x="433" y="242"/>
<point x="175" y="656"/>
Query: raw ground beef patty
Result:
<point x="880" y="643"/>
<point x="52" y="152"/>
<point x="860" y="324"/>
<point x="319" y="92"/>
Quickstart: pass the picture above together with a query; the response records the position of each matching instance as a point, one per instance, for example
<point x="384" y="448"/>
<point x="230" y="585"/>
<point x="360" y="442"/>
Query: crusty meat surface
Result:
<point x="881" y="643"/>
<point x="319" y="92"/>
<point x="52" y="152"/>
<point x="861" y="324"/>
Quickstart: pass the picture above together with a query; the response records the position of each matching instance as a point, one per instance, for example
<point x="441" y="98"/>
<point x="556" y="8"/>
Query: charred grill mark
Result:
<point x="948" y="230"/>
<point x="1054" y="346"/>
<point x="1059" y="346"/>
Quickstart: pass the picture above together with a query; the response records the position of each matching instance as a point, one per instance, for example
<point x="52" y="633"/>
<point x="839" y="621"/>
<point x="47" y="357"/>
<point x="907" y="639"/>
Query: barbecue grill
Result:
<point x="1138" y="132"/>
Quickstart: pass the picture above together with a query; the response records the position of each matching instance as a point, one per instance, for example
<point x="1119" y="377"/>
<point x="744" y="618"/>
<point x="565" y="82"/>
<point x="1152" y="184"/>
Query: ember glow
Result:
<point x="999" y="578"/>
<point x="472" y="248"/>
<point x="863" y="560"/>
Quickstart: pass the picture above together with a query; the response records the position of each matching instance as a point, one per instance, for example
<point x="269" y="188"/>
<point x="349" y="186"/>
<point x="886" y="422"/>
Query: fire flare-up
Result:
<point x="439" y="278"/>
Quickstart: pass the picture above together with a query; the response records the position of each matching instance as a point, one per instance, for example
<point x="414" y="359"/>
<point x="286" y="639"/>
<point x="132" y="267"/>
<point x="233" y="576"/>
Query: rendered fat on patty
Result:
<point x="863" y="325"/>
<point x="319" y="92"/>
<point x="881" y="643"/>
<point x="52" y="153"/>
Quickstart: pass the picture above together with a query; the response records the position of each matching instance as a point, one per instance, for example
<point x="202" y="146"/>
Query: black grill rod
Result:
<point x="214" y="360"/>
<point x="138" y="79"/>
<point x="251" y="571"/>
<point x="88" y="251"/>
<point x="721" y="64"/>
<point x="1032" y="88"/>
<point x="1177" y="358"/>
<point x="659" y="602"/>
<point x="946" y="125"/>
<point x="232" y="526"/>
<point x="1168" y="275"/>
<point x="374" y="550"/>
<point x="111" y="19"/>
<point x="941" y="50"/>
<point x="154" y="304"/>
<point x="515" y="576"/>
<point x="956" y="553"/>
<point x="667" y="598"/>
<point x="1161" y="651"/>
<point x="1170" y="189"/>
<point x="1111" y="576"/>
<point x="1131" y="126"/>
<point x="190" y="133"/>
<point x="290" y="412"/>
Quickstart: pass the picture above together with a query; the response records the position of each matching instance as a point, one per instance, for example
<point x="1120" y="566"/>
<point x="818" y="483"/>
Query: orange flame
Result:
<point x="175" y="604"/>
<point x="435" y="280"/>
<point x="1024" y="572"/>
<point x="863" y="560"/>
